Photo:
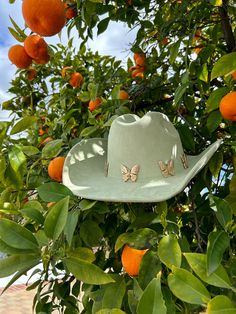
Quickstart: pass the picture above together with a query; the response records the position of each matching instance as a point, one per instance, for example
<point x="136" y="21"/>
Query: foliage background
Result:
<point x="190" y="266"/>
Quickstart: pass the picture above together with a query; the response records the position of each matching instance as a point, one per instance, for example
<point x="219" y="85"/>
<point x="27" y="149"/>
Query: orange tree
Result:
<point x="185" y="52"/>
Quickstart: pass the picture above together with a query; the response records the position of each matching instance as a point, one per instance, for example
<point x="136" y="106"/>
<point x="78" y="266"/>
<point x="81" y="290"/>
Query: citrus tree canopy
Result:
<point x="174" y="256"/>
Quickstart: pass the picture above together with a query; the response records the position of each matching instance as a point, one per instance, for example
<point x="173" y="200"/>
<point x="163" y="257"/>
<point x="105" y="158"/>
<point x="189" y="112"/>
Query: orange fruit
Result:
<point x="76" y="79"/>
<point x="228" y="106"/>
<point x="43" y="130"/>
<point x="44" y="17"/>
<point x="94" y="104"/>
<point x="55" y="168"/>
<point x="70" y="12"/>
<point x="131" y="259"/>
<point x="18" y="56"/>
<point x="50" y="204"/>
<point x="37" y="48"/>
<point x="197" y="50"/>
<point x="137" y="73"/>
<point x="47" y="139"/>
<point x="140" y="62"/>
<point x="234" y="75"/>
<point x="165" y="41"/>
<point x="31" y="74"/>
<point x="123" y="94"/>
<point x="139" y="55"/>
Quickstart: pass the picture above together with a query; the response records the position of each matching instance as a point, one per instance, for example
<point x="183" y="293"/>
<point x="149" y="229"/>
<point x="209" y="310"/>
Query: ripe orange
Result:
<point x="139" y="55"/>
<point x="165" y="41"/>
<point x="70" y="12"/>
<point x="55" y="168"/>
<point x="140" y="62"/>
<point x="18" y="56"/>
<point x="43" y="130"/>
<point x="50" y="204"/>
<point x="123" y="94"/>
<point x="228" y="106"/>
<point x="47" y="139"/>
<point x="31" y="74"/>
<point x="44" y="17"/>
<point x="94" y="104"/>
<point x="131" y="260"/>
<point x="197" y="50"/>
<point x="76" y="79"/>
<point x="137" y="73"/>
<point x="234" y="75"/>
<point x="37" y="48"/>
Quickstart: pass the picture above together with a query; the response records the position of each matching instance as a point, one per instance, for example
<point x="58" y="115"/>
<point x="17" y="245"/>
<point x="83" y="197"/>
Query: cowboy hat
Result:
<point x="142" y="160"/>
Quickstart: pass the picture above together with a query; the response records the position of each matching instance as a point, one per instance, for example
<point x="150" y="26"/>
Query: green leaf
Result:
<point x="216" y="3"/>
<point x="87" y="272"/>
<point x="86" y="204"/>
<point x="140" y="239"/>
<point x="17" y="160"/>
<point x="34" y="214"/>
<point x="152" y="299"/>
<point x="149" y="268"/>
<point x="222" y="210"/>
<point x="213" y="121"/>
<point x="82" y="253"/>
<point x="93" y="90"/>
<point x="14" y="263"/>
<point x="174" y="51"/>
<point x="17" y="28"/>
<point x="102" y="25"/>
<point x="30" y="150"/>
<point x="169" y="251"/>
<point x="187" y="137"/>
<point x="52" y="149"/>
<point x="53" y="192"/>
<point x="70" y="226"/>
<point x="221" y="304"/>
<point x="55" y="220"/>
<point x="2" y="168"/>
<point x="180" y="90"/>
<point x="186" y="287"/>
<point x="114" y="294"/>
<point x="198" y="263"/>
<point x="216" y="163"/>
<point x="23" y="125"/>
<point x="215" y="97"/>
<point x="5" y="248"/>
<point x="17" y="236"/>
<point x="203" y="75"/>
<point x="86" y="132"/>
<point x="16" y="35"/>
<point x="224" y="66"/>
<point x="20" y="273"/>
<point x="90" y="233"/>
<point x="218" y="242"/>
<point x="110" y="311"/>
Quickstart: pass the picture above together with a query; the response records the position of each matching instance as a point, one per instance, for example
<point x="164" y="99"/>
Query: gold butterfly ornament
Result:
<point x="129" y="174"/>
<point x="167" y="169"/>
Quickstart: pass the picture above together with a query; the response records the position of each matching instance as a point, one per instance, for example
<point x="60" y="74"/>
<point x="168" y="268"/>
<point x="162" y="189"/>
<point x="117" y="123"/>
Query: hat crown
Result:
<point x="145" y="142"/>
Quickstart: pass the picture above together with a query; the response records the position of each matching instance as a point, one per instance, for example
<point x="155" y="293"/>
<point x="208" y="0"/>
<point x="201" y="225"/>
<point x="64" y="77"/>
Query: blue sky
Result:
<point x="108" y="43"/>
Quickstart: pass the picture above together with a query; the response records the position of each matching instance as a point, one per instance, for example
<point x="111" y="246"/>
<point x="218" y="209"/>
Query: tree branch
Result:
<point x="226" y="27"/>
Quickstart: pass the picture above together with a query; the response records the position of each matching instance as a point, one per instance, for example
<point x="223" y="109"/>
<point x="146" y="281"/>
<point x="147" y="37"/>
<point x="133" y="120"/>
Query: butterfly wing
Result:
<point x="134" y="173"/>
<point x="125" y="171"/>
<point x="170" y="167"/>
<point x="164" y="168"/>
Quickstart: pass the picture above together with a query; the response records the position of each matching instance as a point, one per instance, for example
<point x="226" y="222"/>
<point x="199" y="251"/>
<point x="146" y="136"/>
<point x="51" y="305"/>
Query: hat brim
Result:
<point x="84" y="175"/>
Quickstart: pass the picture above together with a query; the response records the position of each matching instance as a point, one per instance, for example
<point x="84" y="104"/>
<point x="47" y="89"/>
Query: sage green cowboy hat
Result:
<point x="141" y="161"/>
